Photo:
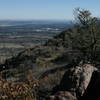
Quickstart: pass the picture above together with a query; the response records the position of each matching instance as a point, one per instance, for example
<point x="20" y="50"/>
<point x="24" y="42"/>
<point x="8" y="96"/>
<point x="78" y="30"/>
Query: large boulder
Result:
<point x="93" y="90"/>
<point x="76" y="79"/>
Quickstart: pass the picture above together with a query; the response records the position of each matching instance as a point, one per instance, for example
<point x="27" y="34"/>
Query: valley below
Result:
<point x="16" y="36"/>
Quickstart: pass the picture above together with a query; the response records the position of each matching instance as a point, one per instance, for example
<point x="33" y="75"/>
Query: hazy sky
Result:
<point x="45" y="9"/>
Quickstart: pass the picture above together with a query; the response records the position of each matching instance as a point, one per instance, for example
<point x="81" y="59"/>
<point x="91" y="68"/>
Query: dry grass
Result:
<point x="18" y="90"/>
<point x="11" y="90"/>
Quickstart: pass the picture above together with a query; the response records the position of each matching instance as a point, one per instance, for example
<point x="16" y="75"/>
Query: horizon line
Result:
<point x="36" y="19"/>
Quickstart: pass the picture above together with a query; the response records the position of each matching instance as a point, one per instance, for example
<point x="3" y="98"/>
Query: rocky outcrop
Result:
<point x="93" y="90"/>
<point x="75" y="82"/>
<point x="76" y="79"/>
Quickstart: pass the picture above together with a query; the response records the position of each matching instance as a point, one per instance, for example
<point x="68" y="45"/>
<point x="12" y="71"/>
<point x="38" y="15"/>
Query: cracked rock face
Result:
<point x="75" y="83"/>
<point x="76" y="80"/>
<point x="93" y="90"/>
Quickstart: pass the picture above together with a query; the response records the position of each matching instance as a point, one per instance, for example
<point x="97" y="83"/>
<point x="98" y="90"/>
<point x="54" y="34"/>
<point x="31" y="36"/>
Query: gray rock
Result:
<point x="76" y="79"/>
<point x="93" y="90"/>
